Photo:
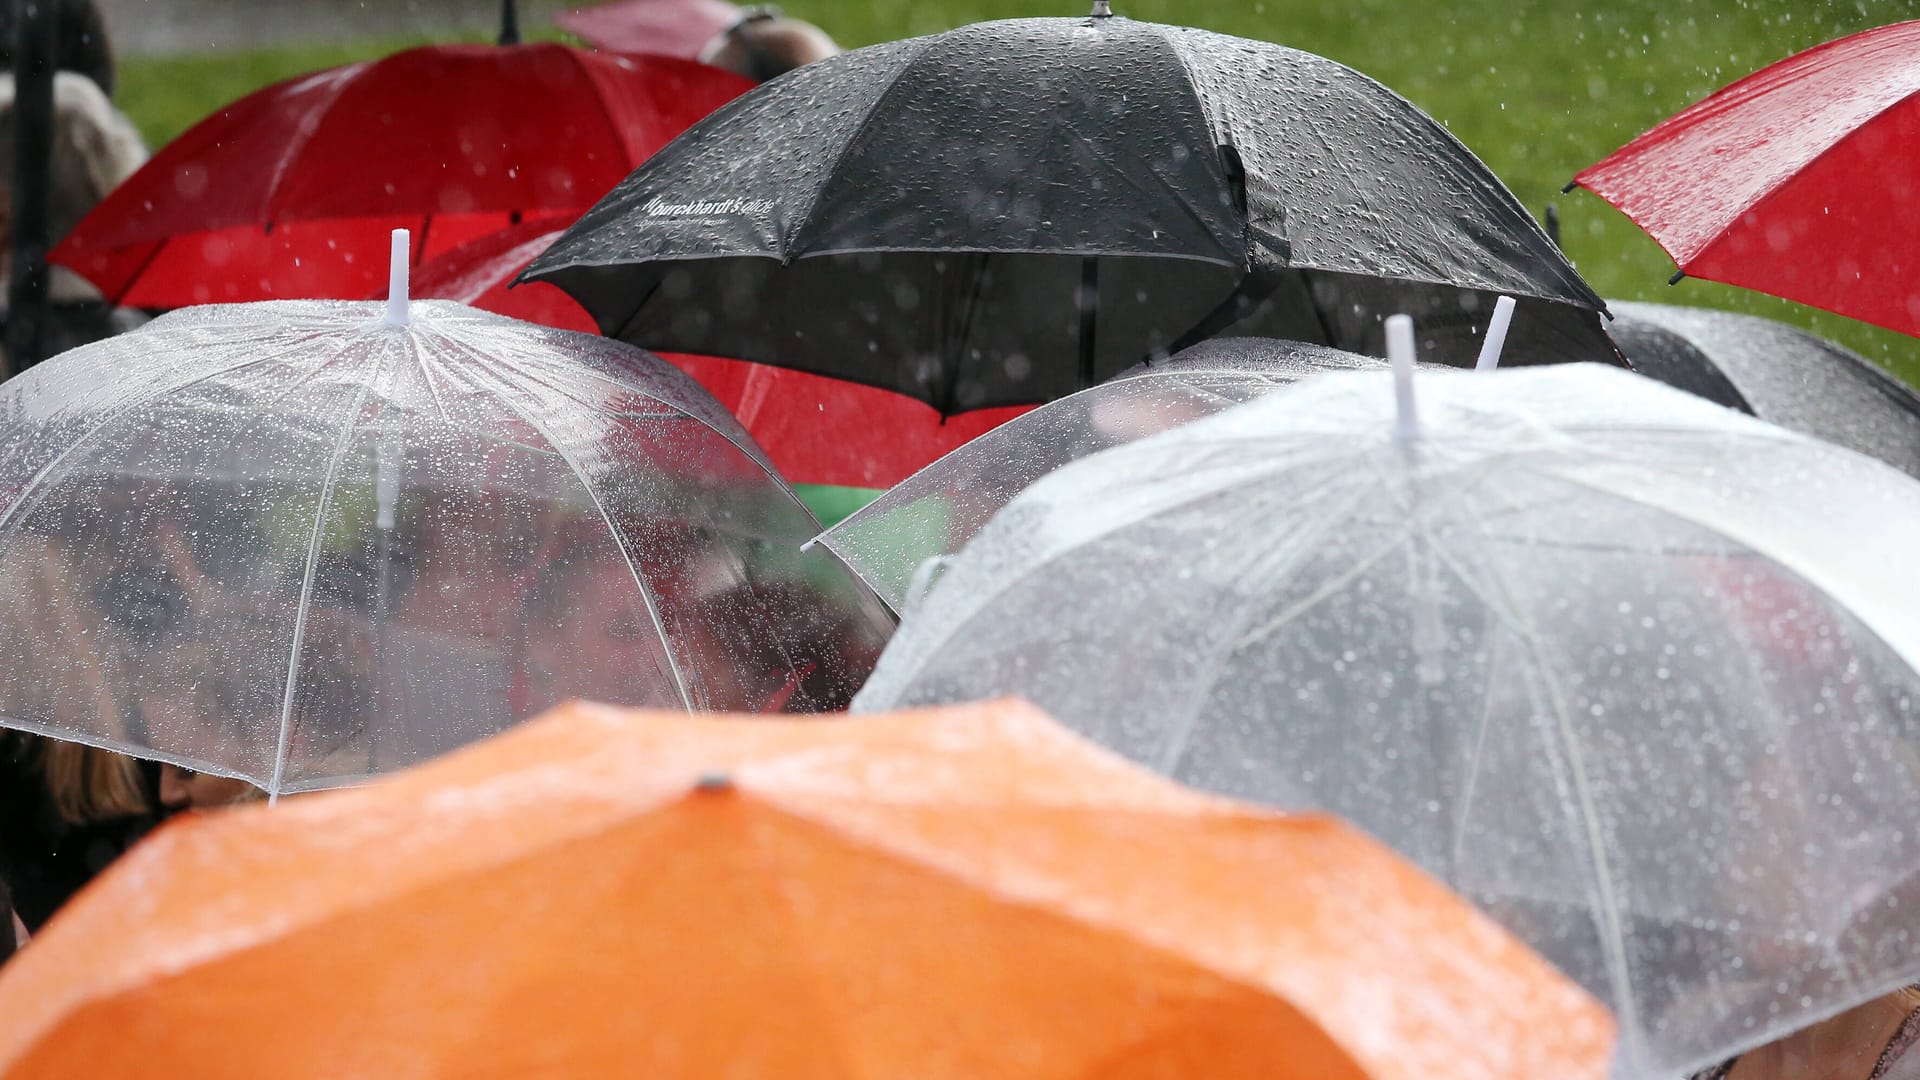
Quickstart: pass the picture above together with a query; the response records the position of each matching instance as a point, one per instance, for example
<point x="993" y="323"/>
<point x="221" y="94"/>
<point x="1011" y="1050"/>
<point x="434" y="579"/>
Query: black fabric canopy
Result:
<point x="1011" y="211"/>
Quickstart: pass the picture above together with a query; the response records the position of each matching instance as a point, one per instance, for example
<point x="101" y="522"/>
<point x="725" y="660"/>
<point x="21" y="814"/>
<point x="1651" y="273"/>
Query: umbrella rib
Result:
<point x="1176" y="749"/>
<point x="433" y="388"/>
<point x="846" y="149"/>
<point x="30" y="489"/>
<point x="619" y="538"/>
<point x="1613" y="929"/>
<point x="532" y="368"/>
<point x="340" y="447"/>
<point x="614" y="128"/>
<point x="302" y="136"/>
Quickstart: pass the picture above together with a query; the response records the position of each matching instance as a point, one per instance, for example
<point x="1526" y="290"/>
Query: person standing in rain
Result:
<point x="95" y="147"/>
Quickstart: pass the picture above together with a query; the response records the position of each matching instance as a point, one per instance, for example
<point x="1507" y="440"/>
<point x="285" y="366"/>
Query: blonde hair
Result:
<point x="87" y="783"/>
<point x="63" y="679"/>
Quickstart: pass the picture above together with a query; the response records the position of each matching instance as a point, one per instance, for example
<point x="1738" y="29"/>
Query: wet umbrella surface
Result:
<point x="1797" y="180"/>
<point x="1777" y="372"/>
<point x="815" y="429"/>
<point x="297" y="543"/>
<point x="936" y="511"/>
<point x="1012" y="211"/>
<point x="950" y="894"/>
<point x="1632" y="671"/>
<point x="290" y="192"/>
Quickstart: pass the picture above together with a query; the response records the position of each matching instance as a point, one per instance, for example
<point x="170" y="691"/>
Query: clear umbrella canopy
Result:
<point x="296" y="543"/>
<point x="933" y="513"/>
<point x="1634" y="672"/>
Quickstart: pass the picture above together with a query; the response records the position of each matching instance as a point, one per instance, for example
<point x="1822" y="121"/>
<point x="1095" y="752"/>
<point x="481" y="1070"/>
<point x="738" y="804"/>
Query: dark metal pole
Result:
<point x="1089" y="317"/>
<point x="34" y="45"/>
<point x="509" y="23"/>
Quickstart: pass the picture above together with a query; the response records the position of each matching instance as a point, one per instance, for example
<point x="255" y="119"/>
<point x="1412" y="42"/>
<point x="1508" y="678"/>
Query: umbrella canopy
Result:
<point x="297" y="543"/>
<point x="816" y="430"/>
<point x="1632" y="671"/>
<point x="283" y="193"/>
<point x="604" y="892"/>
<point x="895" y="216"/>
<point x="1780" y="373"/>
<point x="1798" y="180"/>
<point x="671" y="27"/>
<point x="935" y="512"/>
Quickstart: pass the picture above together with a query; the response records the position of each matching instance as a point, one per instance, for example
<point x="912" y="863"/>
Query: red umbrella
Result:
<point x="1799" y="180"/>
<point x="672" y="27"/>
<point x="817" y="430"/>
<point x="281" y="192"/>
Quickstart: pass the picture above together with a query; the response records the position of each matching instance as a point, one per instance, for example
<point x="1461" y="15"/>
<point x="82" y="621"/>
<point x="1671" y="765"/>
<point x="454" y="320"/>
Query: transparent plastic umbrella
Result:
<point x="305" y="542"/>
<point x="1632" y="671"/>
<point x="933" y="513"/>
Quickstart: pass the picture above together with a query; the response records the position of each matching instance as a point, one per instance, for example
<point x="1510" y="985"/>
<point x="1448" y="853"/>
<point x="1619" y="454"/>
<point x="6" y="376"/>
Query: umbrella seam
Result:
<point x="302" y="137"/>
<point x="1612" y="944"/>
<point x="790" y="241"/>
<point x="1060" y="904"/>
<point x="619" y="538"/>
<point x="599" y="97"/>
<point x="30" y="490"/>
<point x="1773" y="190"/>
<point x="753" y="453"/>
<point x="1172" y="756"/>
<point x="341" y="444"/>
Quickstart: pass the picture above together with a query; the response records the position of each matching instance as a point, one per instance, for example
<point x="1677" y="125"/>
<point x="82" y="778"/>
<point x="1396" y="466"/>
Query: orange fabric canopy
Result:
<point x="971" y="892"/>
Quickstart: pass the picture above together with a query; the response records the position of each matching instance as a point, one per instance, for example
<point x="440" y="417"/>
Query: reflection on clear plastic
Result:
<point x="938" y="509"/>
<point x="290" y="543"/>
<point x="1633" y="672"/>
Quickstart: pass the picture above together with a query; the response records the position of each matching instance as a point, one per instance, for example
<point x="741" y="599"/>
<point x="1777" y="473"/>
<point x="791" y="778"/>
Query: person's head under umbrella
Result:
<point x="764" y="44"/>
<point x="602" y="627"/>
<point x="196" y="630"/>
<point x="207" y="699"/>
<point x="95" y="147"/>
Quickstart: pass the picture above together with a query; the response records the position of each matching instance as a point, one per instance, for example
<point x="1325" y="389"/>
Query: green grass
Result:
<point x="1538" y="88"/>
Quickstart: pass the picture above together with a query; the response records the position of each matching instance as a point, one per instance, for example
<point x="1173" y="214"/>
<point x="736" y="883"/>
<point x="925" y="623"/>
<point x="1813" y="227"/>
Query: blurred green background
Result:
<point x="1538" y="89"/>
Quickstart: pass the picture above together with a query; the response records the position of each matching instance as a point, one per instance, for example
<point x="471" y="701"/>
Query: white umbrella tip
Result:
<point x="1496" y="340"/>
<point x="398" y="311"/>
<point x="1400" y="353"/>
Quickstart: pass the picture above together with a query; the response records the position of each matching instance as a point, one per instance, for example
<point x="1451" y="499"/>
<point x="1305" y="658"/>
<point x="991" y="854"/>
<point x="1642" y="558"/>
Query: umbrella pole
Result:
<point x="33" y="65"/>
<point x="509" y="23"/>
<point x="1089" y="297"/>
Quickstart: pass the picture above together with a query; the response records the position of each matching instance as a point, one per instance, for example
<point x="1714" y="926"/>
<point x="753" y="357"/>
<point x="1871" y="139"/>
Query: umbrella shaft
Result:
<point x="1089" y="316"/>
<point x="33" y="47"/>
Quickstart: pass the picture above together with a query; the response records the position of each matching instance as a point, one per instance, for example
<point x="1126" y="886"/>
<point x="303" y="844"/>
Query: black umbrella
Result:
<point x="1778" y="373"/>
<point x="1013" y="210"/>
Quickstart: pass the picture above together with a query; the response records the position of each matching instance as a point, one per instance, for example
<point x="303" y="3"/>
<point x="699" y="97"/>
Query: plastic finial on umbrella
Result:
<point x="397" y="308"/>
<point x="1400" y="353"/>
<point x="1496" y="338"/>
<point x="1102" y="9"/>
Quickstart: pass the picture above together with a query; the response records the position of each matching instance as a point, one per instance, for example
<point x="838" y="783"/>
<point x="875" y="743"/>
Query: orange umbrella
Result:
<point x="966" y="893"/>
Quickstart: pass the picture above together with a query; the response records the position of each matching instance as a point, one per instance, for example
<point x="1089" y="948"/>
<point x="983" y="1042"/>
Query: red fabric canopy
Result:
<point x="817" y="430"/>
<point x="672" y="27"/>
<point x="1799" y="180"/>
<point x="293" y="190"/>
